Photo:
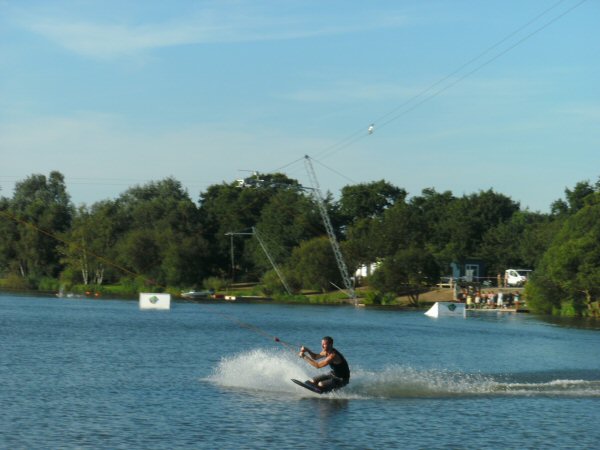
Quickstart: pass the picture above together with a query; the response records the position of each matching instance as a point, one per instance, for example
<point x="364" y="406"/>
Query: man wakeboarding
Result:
<point x="340" y="372"/>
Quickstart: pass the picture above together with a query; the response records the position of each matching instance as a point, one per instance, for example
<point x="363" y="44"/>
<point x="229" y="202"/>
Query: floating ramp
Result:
<point x="443" y="309"/>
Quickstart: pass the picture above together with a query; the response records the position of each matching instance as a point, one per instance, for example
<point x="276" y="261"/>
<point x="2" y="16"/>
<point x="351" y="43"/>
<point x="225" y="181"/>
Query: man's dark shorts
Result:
<point x="329" y="382"/>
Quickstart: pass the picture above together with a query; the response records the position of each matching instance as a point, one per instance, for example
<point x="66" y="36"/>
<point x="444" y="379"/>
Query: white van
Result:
<point x="516" y="277"/>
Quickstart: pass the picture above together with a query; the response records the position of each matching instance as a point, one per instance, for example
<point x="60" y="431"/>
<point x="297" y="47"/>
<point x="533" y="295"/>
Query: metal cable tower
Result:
<point x="325" y="216"/>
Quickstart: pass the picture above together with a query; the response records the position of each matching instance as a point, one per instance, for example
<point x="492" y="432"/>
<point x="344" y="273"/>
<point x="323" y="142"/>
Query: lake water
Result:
<point x="88" y="374"/>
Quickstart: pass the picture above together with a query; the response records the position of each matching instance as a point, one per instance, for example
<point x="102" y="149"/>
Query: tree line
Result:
<point x="156" y="235"/>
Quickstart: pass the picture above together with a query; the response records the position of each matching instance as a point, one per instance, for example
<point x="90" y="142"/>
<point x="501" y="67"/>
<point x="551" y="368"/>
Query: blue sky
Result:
<point x="464" y="95"/>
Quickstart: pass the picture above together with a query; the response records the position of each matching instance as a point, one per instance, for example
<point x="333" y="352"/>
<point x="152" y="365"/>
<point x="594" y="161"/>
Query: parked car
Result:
<point x="516" y="277"/>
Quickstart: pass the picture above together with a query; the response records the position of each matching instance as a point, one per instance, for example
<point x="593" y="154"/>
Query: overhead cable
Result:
<point x="422" y="97"/>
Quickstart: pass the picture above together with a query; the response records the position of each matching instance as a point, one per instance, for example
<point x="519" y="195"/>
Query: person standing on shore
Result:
<point x="500" y="302"/>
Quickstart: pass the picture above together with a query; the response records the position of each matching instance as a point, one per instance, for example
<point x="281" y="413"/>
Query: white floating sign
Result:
<point x="155" y="301"/>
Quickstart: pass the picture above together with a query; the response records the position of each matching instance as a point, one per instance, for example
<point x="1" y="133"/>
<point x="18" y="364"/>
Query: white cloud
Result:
<point x="106" y="41"/>
<point x="351" y="91"/>
<point x="584" y="112"/>
<point x="117" y="38"/>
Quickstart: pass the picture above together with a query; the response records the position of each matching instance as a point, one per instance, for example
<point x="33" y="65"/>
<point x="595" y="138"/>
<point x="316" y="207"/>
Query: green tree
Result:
<point x="408" y="272"/>
<point x="8" y="236"/>
<point x="575" y="198"/>
<point x="273" y="286"/>
<point x="151" y="231"/>
<point x="140" y="250"/>
<point x="567" y="280"/>
<point x="400" y="227"/>
<point x="368" y="200"/>
<point x="313" y="265"/>
<point x="537" y="237"/>
<point x="289" y="218"/>
<point x="359" y="247"/>
<point x="469" y="218"/>
<point x="518" y="242"/>
<point x="43" y="210"/>
<point x="433" y="208"/>
<point x="360" y="210"/>
<point x="165" y="234"/>
<point x="227" y="208"/>
<point x="81" y="250"/>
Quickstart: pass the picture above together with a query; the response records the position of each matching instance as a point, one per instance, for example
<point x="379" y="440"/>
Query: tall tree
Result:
<point x="313" y="265"/>
<point x="567" y="279"/>
<point x="517" y="242"/>
<point x="468" y="219"/>
<point x="289" y="218"/>
<point x="408" y="272"/>
<point x="162" y="218"/>
<point x="368" y="200"/>
<point x="44" y="211"/>
<point x="402" y="225"/>
<point x="237" y="207"/>
<point x="79" y="259"/>
<point x="433" y="208"/>
<point x="8" y="236"/>
<point x="360" y="248"/>
<point x="575" y="198"/>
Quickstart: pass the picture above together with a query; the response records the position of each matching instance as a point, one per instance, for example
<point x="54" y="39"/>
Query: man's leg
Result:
<point x="332" y="382"/>
<point x="320" y="380"/>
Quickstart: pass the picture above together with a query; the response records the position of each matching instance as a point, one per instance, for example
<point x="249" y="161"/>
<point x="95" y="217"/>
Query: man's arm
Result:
<point x="320" y="363"/>
<point x="312" y="354"/>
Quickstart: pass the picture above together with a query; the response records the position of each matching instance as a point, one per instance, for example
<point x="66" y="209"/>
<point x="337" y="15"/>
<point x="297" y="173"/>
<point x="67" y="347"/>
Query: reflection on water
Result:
<point x="328" y="412"/>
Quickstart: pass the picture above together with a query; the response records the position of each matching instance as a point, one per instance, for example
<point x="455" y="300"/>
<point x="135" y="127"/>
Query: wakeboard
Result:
<point x="310" y="387"/>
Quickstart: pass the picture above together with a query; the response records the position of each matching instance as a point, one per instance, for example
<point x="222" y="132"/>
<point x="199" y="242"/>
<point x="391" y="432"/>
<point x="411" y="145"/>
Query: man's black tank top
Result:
<point x="340" y="370"/>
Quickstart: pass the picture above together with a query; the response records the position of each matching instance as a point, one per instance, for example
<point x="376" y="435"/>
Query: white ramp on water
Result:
<point x="441" y="309"/>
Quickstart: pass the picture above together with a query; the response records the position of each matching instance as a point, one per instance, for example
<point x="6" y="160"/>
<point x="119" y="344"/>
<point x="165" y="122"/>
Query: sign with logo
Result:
<point x="442" y="309"/>
<point x="155" y="301"/>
